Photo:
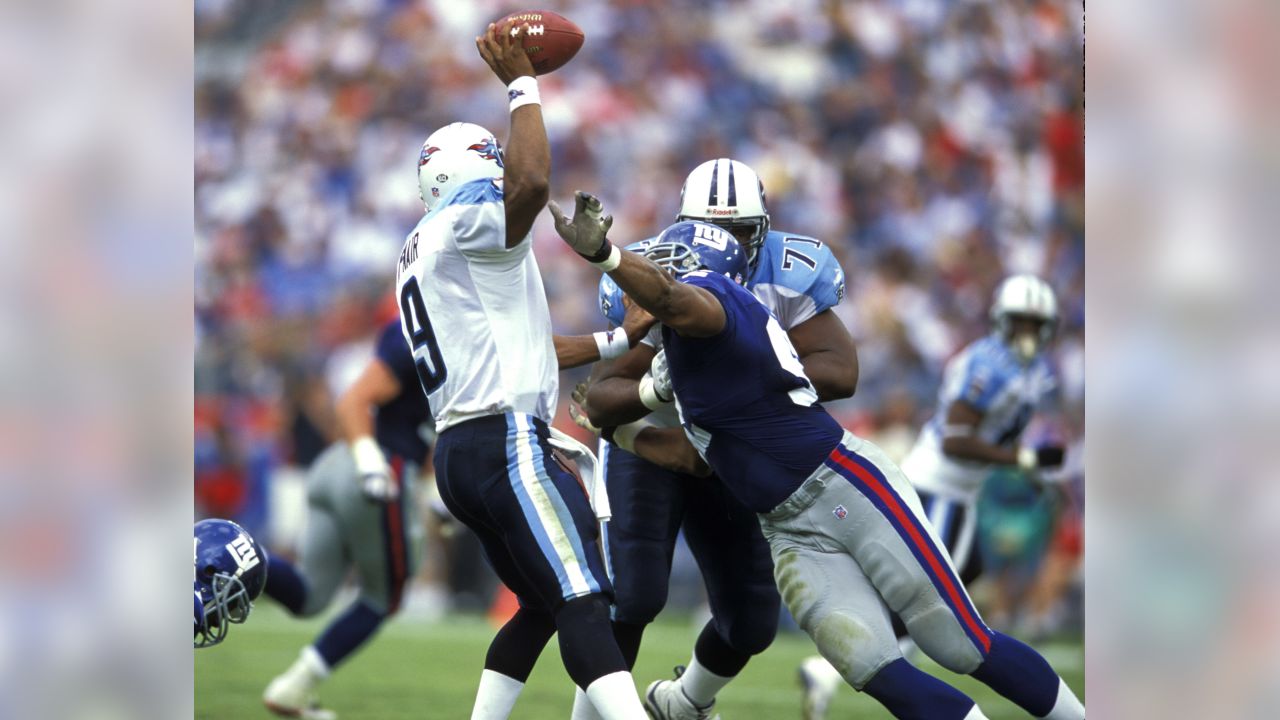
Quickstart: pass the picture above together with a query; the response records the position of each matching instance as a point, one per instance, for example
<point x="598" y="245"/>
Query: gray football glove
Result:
<point x="586" y="232"/>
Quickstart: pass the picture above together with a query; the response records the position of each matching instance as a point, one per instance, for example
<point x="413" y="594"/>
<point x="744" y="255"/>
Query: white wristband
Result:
<point x="368" y="456"/>
<point x="610" y="263"/>
<point x="523" y="91"/>
<point x="649" y="396"/>
<point x="1027" y="458"/>
<point x="612" y="344"/>
<point x="624" y="436"/>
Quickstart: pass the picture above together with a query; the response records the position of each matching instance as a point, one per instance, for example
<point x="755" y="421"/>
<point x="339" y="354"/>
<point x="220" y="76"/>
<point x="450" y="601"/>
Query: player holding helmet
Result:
<point x="847" y="533"/>
<point x="475" y="314"/>
<point x="799" y="280"/>
<point x="990" y="390"/>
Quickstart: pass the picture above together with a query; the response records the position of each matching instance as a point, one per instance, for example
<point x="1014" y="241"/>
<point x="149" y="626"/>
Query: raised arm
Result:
<point x="686" y="309"/>
<point x="526" y="173"/>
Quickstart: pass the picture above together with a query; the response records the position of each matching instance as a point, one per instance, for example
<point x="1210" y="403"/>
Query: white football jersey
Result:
<point x="988" y="376"/>
<point x="475" y="313"/>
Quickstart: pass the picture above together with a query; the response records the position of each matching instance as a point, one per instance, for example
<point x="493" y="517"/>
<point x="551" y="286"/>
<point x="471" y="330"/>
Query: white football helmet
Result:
<point x="456" y="154"/>
<point x="727" y="193"/>
<point x="1025" y="296"/>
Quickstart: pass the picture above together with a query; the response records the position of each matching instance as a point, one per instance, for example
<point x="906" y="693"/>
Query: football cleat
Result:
<point x="818" y="681"/>
<point x="293" y="693"/>
<point x="665" y="700"/>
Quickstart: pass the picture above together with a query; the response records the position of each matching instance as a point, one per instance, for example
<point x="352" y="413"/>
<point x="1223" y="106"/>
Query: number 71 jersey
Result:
<point x="796" y="277"/>
<point x="475" y="313"/>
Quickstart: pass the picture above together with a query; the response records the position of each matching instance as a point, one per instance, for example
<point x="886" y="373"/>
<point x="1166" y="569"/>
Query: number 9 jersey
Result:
<point x="475" y="313"/>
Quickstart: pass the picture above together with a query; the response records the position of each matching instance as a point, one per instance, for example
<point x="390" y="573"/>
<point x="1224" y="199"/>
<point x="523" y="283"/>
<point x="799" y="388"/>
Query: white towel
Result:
<point x="588" y="469"/>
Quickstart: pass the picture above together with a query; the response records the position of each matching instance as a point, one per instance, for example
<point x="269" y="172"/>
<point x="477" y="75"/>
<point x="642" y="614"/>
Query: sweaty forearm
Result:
<point x="648" y="285"/>
<point x="575" y="350"/>
<point x="615" y="401"/>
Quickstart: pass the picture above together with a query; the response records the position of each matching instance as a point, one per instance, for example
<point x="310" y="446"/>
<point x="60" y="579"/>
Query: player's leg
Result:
<point x="882" y="525"/>
<point x="836" y="604"/>
<point x="640" y="539"/>
<point x="308" y="589"/>
<point x="499" y="474"/>
<point x="730" y="550"/>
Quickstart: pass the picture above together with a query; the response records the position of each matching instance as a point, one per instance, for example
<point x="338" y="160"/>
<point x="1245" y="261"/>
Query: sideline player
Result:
<point x="475" y="314"/>
<point x="990" y="390"/>
<point x="799" y="280"/>
<point x="361" y="514"/>
<point x="849" y="540"/>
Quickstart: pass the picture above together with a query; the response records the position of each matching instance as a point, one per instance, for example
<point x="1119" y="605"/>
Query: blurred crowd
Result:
<point x="934" y="145"/>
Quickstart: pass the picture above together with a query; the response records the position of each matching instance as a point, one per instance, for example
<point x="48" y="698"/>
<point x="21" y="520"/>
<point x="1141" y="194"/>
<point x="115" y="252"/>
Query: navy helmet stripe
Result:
<point x="715" y="183"/>
<point x="733" y="190"/>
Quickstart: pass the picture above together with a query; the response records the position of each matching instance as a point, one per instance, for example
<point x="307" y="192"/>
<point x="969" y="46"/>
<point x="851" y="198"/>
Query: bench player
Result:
<point x="475" y="314"/>
<point x="848" y="536"/>
<point x="990" y="391"/>
<point x="799" y="280"/>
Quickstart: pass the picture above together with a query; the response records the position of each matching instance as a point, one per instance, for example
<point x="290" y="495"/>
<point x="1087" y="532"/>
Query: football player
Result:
<point x="475" y="315"/>
<point x="848" y="535"/>
<point x="361" y="516"/>
<point x="990" y="391"/>
<point x="230" y="570"/>
<point x="799" y="280"/>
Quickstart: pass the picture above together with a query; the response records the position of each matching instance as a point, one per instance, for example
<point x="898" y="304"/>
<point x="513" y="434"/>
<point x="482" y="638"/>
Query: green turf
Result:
<point x="428" y="671"/>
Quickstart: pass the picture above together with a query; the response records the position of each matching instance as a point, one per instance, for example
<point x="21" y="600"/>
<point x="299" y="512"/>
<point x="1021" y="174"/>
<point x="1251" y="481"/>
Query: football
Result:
<point x="552" y="41"/>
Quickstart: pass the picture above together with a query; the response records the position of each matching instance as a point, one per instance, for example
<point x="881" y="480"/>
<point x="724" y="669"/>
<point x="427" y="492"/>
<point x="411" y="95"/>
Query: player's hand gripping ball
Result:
<point x="551" y="40"/>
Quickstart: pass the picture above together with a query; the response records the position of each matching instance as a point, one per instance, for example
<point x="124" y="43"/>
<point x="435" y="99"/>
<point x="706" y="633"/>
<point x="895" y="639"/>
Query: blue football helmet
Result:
<point x="691" y="245"/>
<point x="230" y="573"/>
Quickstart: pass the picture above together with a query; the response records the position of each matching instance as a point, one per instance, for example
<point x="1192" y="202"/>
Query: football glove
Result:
<point x="661" y="376"/>
<point x="586" y="232"/>
<point x="577" y="409"/>
<point x="375" y="475"/>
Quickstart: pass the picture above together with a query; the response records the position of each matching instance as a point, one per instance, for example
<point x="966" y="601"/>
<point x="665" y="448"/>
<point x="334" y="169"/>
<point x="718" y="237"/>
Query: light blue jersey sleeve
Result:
<point x="796" y="277"/>
<point x="980" y="375"/>
<point x="479" y="217"/>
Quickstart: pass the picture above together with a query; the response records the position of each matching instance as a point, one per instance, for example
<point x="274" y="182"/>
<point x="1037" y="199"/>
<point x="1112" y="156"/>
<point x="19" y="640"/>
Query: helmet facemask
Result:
<point x="1027" y="335"/>
<point x="226" y="600"/>
<point x="675" y="258"/>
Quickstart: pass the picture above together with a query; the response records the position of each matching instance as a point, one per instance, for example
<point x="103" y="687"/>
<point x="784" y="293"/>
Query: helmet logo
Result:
<point x="724" y="212"/>
<point x="427" y="152"/>
<point x="488" y="150"/>
<point x="442" y="178"/>
<point x="711" y="236"/>
<point x="242" y="551"/>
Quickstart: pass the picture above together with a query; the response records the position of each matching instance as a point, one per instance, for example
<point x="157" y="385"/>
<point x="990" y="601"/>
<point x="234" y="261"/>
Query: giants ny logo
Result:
<point x="242" y="550"/>
<point x="711" y="236"/>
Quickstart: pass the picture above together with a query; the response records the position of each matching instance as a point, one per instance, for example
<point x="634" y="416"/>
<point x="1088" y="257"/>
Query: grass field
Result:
<point x="428" y="671"/>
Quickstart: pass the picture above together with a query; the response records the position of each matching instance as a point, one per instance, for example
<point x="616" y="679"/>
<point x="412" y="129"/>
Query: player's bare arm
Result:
<point x="686" y="309"/>
<point x="668" y="448"/>
<point x="960" y="441"/>
<point x="576" y="350"/>
<point x="527" y="163"/>
<point x="829" y="355"/>
<point x="376" y="386"/>
<point x="614" y="394"/>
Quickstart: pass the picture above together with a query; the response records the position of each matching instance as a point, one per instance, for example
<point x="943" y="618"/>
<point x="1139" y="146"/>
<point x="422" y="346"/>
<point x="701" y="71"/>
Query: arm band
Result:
<point x="624" y="436"/>
<point x="523" y="91"/>
<point x="612" y="344"/>
<point x="611" y="261"/>
<point x="1027" y="459"/>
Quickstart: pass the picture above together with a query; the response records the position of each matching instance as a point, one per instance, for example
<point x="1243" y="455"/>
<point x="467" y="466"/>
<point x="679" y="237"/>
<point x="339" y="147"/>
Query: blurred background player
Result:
<point x="474" y="311"/>
<point x="362" y="515"/>
<point x="750" y="414"/>
<point x="800" y="281"/>
<point x="990" y="392"/>
<point x="230" y="571"/>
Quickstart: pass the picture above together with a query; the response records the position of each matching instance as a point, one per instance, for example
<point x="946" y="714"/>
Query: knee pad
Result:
<point x="852" y="647"/>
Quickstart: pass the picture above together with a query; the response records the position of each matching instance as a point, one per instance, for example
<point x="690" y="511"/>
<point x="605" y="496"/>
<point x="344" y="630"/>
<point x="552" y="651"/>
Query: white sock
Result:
<point x="582" y="707"/>
<point x="1067" y="706"/>
<point x="310" y="662"/>
<point x="615" y="697"/>
<point x="975" y="714"/>
<point x="700" y="684"/>
<point x="496" y="696"/>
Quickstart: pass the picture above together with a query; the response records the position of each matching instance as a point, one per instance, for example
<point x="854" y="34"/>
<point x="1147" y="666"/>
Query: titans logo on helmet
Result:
<point x="489" y="150"/>
<point x="426" y="154"/>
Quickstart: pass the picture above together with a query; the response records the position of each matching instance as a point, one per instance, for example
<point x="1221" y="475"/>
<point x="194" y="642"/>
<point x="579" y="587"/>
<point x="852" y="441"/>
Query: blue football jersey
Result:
<point x="987" y="375"/>
<point x="796" y="277"/>
<point x="397" y="424"/>
<point x="745" y="402"/>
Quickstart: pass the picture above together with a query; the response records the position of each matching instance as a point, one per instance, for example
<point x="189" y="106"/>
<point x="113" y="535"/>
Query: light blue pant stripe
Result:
<point x="530" y="512"/>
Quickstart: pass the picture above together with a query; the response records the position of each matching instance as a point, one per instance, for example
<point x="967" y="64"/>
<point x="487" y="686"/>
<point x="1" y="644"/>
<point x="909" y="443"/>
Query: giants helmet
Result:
<point x="455" y="155"/>
<point x="689" y="246"/>
<point x="729" y="194"/>
<point x="1025" y="296"/>
<point x="230" y="573"/>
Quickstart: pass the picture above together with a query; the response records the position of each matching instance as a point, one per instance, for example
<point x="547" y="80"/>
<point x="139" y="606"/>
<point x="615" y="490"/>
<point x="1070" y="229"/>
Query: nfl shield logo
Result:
<point x="840" y="512"/>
